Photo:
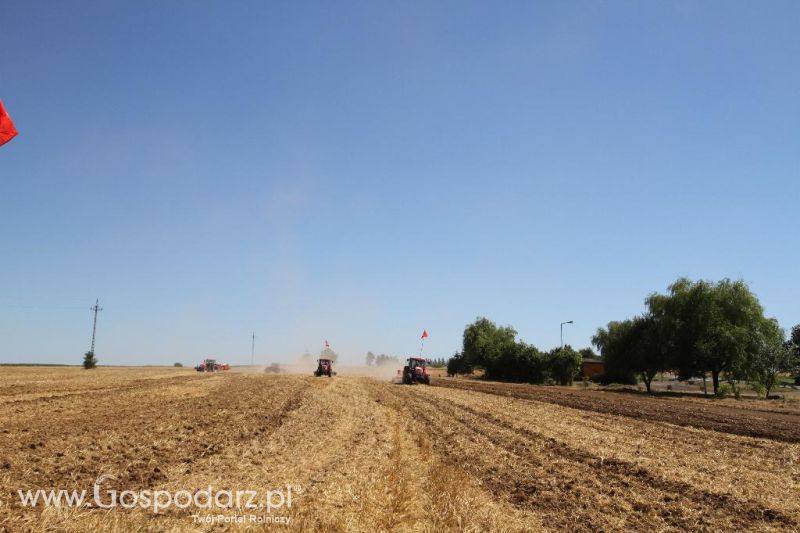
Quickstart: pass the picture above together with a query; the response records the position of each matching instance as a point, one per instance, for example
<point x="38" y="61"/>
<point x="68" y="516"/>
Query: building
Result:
<point x="591" y="367"/>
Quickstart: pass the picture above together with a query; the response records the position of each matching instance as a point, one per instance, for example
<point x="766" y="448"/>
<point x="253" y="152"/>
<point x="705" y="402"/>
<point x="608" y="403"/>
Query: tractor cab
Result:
<point x="416" y="371"/>
<point x="208" y="365"/>
<point x="324" y="367"/>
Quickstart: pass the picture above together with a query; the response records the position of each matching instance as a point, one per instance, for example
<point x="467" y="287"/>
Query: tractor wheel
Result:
<point x="427" y="380"/>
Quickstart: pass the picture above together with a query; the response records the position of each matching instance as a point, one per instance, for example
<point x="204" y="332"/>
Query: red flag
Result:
<point x="424" y="334"/>
<point x="7" y="129"/>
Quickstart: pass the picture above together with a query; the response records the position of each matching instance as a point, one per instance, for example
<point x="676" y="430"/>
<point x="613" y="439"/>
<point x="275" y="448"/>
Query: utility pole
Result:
<point x="253" y="351"/>
<point x="96" y="308"/>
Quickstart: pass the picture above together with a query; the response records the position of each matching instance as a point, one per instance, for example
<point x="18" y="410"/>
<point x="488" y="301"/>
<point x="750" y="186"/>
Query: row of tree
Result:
<point x="699" y="328"/>
<point x="381" y="360"/>
<point x="496" y="350"/>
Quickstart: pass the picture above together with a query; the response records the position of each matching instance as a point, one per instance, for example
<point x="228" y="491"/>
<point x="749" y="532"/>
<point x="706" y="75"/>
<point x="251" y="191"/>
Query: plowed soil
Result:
<point x="367" y="455"/>
<point x="760" y="420"/>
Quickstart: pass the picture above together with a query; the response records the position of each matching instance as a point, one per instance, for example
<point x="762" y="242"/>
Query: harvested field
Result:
<point x="366" y="455"/>
<point x="756" y="419"/>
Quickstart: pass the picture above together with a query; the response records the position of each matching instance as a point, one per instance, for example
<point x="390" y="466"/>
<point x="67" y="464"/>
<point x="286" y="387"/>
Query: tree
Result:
<point x="563" y="364"/>
<point x="487" y="345"/>
<point x="613" y="343"/>
<point x="587" y="353"/>
<point x="641" y="348"/>
<point x="707" y="326"/>
<point x="769" y="357"/>
<point x="794" y="349"/>
<point x="89" y="360"/>
<point x="384" y="359"/>
<point x="458" y="364"/>
<point x="178" y="365"/>
<point x="370" y="358"/>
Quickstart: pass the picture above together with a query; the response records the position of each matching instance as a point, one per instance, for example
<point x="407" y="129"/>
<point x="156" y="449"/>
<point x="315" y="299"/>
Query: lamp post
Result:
<point x="562" y="332"/>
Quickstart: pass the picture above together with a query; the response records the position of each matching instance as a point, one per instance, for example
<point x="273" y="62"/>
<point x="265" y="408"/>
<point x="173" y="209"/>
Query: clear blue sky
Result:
<point x="360" y="171"/>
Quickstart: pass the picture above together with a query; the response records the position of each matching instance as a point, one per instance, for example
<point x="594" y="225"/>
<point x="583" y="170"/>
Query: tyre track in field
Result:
<point x="572" y="487"/>
<point x="782" y="426"/>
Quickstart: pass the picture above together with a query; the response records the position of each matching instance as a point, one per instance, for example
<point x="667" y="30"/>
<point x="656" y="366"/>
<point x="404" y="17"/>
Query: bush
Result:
<point x="89" y="360"/>
<point x="760" y="390"/>
<point x="737" y="391"/>
<point x="178" y="365"/>
<point x="724" y="390"/>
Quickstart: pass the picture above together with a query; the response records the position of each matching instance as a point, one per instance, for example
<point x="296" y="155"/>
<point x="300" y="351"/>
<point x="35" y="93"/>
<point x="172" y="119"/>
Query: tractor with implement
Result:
<point x="324" y="368"/>
<point x="211" y="365"/>
<point x="416" y="371"/>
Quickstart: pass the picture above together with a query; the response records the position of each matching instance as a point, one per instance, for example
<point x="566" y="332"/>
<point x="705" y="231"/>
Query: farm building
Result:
<point x="591" y="367"/>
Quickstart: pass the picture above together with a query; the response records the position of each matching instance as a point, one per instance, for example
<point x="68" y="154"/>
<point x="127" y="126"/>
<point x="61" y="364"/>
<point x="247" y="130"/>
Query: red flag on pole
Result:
<point x="7" y="129"/>
<point x="424" y="334"/>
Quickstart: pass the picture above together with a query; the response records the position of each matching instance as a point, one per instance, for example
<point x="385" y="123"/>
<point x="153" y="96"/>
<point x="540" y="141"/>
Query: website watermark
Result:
<point x="256" y="507"/>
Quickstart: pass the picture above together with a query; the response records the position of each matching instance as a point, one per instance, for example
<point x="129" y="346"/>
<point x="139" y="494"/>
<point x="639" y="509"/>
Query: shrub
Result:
<point x="760" y="390"/>
<point x="178" y="365"/>
<point x="724" y="390"/>
<point x="89" y="360"/>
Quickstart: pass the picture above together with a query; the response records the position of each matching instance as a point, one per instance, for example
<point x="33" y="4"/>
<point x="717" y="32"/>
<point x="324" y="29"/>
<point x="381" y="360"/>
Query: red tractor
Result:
<point x="324" y="368"/>
<point x="416" y="371"/>
<point x="211" y="365"/>
<point x="208" y="365"/>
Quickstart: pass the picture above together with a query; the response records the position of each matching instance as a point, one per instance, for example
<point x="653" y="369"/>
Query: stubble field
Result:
<point x="362" y="454"/>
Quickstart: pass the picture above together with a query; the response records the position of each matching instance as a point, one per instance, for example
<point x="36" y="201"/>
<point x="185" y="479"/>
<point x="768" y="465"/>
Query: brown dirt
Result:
<point x="367" y="455"/>
<point x="760" y="420"/>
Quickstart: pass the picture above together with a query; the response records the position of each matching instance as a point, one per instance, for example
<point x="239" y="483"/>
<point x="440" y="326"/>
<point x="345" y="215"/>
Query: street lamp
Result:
<point x="562" y="332"/>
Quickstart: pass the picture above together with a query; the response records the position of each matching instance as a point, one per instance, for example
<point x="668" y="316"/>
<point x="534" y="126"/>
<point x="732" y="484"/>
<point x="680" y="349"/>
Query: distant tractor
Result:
<point x="416" y="371"/>
<point x="208" y="365"/>
<point x="324" y="368"/>
<point x="211" y="365"/>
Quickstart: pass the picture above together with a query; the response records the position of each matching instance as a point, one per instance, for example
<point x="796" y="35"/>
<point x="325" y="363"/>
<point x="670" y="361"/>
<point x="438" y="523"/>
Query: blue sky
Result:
<point x="360" y="171"/>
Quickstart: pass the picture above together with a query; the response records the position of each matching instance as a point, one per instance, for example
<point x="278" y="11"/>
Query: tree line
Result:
<point x="700" y="328"/>
<point x="382" y="359"/>
<point x="496" y="350"/>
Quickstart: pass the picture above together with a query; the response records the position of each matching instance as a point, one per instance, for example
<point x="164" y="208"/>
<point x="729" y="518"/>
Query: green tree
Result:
<point x="613" y="343"/>
<point x="89" y="360"/>
<point x="707" y="326"/>
<point x="458" y="364"/>
<point x="370" y="358"/>
<point x="794" y="349"/>
<point x="770" y="356"/>
<point x="563" y="364"/>
<point x="489" y="346"/>
<point x="178" y="365"/>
